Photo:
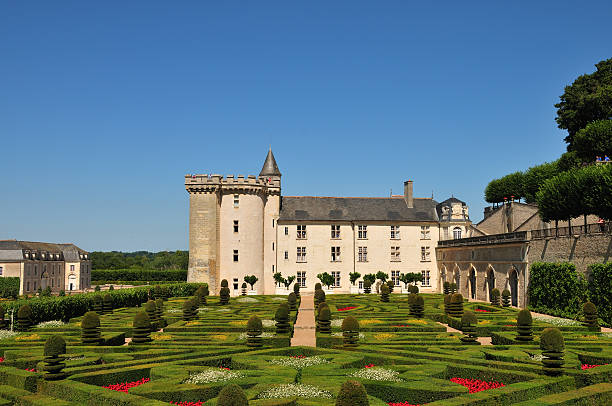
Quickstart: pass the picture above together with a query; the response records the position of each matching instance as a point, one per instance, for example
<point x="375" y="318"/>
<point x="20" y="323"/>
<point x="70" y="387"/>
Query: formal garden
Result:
<point x="176" y="344"/>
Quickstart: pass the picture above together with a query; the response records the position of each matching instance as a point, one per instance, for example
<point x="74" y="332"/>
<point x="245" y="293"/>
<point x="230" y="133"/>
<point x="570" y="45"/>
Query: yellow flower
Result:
<point x="484" y="322"/>
<point x="417" y="321"/>
<point x="384" y="336"/>
<point x="238" y="323"/>
<point x="30" y="337"/>
<point x="193" y="323"/>
<point x="590" y="337"/>
<point x="369" y="321"/>
<point x="161" y="337"/>
<point x="218" y="337"/>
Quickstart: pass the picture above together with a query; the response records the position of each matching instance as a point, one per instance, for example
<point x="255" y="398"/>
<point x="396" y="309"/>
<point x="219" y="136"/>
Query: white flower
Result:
<point x="336" y="323"/>
<point x="294" y="389"/>
<point x="75" y="358"/>
<point x="213" y="375"/>
<point x="247" y="300"/>
<point x="556" y="321"/>
<point x="298" y="363"/>
<point x="176" y="310"/>
<point x="279" y="299"/>
<point x="377" y="374"/>
<point x="339" y="334"/>
<point x="536" y="357"/>
<point x="51" y="323"/>
<point x="268" y="323"/>
<point x="224" y="309"/>
<point x="4" y="334"/>
<point x="265" y="334"/>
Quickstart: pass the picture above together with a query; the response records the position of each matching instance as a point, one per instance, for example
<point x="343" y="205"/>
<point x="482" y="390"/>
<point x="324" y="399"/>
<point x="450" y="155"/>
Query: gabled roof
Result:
<point x="356" y="209"/>
<point x="269" y="167"/>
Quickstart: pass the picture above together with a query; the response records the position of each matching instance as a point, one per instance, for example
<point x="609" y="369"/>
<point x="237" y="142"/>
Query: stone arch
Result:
<point x="457" y="277"/>
<point x="513" y="285"/>
<point x="472" y="282"/>
<point x="489" y="281"/>
<point x="442" y="278"/>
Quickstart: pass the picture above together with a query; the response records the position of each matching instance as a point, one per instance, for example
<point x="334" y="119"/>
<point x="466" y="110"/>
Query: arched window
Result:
<point x="456" y="233"/>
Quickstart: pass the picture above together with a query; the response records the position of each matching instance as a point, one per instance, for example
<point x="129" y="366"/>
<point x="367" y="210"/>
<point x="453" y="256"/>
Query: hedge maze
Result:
<point x="399" y="358"/>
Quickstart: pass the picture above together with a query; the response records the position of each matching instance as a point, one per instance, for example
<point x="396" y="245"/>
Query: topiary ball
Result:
<point x="352" y="393"/>
<point x="282" y="313"/>
<point x="350" y="323"/>
<point x="25" y="312"/>
<point x="254" y="324"/>
<point x="150" y="306"/>
<point x="524" y="318"/>
<point x="224" y="283"/>
<point x="232" y="395"/>
<point x="292" y="301"/>
<point x="413" y="289"/>
<point x="90" y="320"/>
<point x="411" y="298"/>
<point x="551" y="340"/>
<point x="55" y="346"/>
<point x="589" y="307"/>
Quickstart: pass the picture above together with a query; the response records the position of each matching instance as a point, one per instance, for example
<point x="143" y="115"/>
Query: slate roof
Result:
<point x="269" y="167"/>
<point x="12" y="250"/>
<point x="356" y="209"/>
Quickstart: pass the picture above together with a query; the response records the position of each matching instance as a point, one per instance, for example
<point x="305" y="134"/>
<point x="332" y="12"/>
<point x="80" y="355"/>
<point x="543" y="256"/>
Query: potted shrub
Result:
<point x="353" y="277"/>
<point x="326" y="280"/>
<point x="251" y="280"/>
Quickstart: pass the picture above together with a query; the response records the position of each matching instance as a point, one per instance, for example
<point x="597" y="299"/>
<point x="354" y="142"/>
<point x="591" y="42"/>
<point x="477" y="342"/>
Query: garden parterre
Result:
<point x="400" y="359"/>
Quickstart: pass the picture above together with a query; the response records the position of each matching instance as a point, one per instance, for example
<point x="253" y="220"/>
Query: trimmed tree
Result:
<point x="413" y="289"/>
<point x="151" y="310"/>
<point x="455" y="307"/>
<point x="55" y="346"/>
<point x="524" y="324"/>
<point x="384" y="293"/>
<point x="391" y="285"/>
<point x="324" y="320"/>
<point x="590" y="316"/>
<point x="417" y="305"/>
<point x="350" y="332"/>
<point x="251" y="280"/>
<point x="224" y="295"/>
<point x="141" y="330"/>
<point x="90" y="329"/>
<point x="282" y="319"/>
<point x="3" y="323"/>
<point x="188" y="310"/>
<point x="232" y="395"/>
<point x="505" y="298"/>
<point x="24" y="318"/>
<point x="353" y="276"/>
<point x="447" y="300"/>
<point x="224" y="283"/>
<point x="107" y="303"/>
<point x="244" y="288"/>
<point x="552" y="346"/>
<point x="254" y="330"/>
<point x="367" y="286"/>
<point x="446" y="288"/>
<point x="97" y="304"/>
<point x="296" y="290"/>
<point x="292" y="301"/>
<point x="159" y="312"/>
<point x="319" y="297"/>
<point x="468" y="327"/>
<point x="352" y="393"/>
<point x="495" y="297"/>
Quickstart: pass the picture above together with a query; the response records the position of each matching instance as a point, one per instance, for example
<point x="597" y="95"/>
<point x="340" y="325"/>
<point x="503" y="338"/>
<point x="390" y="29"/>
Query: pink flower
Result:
<point x="588" y="366"/>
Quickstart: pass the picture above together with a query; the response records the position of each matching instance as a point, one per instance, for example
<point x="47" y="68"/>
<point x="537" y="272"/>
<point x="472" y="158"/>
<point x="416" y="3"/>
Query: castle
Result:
<point x="241" y="226"/>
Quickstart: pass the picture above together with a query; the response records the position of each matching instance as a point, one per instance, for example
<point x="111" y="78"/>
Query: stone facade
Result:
<point x="241" y="226"/>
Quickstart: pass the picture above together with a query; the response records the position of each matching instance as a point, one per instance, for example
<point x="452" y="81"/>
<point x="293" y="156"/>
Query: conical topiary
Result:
<point x="107" y="303"/>
<point x="254" y="330"/>
<point x="296" y="290"/>
<point x="141" y="331"/>
<point x="446" y="288"/>
<point x="590" y="316"/>
<point x="292" y="301"/>
<point x="244" y="288"/>
<point x="505" y="298"/>
<point x="159" y="312"/>
<point x="417" y="305"/>
<point x="151" y="310"/>
<point x="55" y="346"/>
<point x="384" y="293"/>
<point x="524" y="323"/>
<point x="352" y="393"/>
<point x="282" y="319"/>
<point x="188" y="310"/>
<point x="232" y="395"/>
<point x="391" y="285"/>
<point x="495" y="297"/>
<point x="367" y="286"/>
<point x="90" y="329"/>
<point x="350" y="331"/>
<point x="324" y="321"/>
<point x="24" y="318"/>
<point x="206" y="292"/>
<point x="224" y="295"/>
<point x="453" y="287"/>
<point x="319" y="296"/>
<point x="455" y="307"/>
<point x="468" y="327"/>
<point x="194" y="309"/>
<point x="97" y="304"/>
<point x="165" y="293"/>
<point x="552" y="346"/>
<point x="447" y="299"/>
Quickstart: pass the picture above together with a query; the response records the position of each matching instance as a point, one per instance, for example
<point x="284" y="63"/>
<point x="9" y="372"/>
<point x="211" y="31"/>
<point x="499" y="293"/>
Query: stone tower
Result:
<point x="232" y="226"/>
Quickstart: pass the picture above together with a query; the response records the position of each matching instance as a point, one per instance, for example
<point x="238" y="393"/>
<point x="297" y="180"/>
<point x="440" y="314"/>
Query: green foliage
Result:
<point x="9" y="287"/>
<point x="350" y="323"/>
<point x="524" y="318"/>
<point x="224" y="295"/>
<point x="288" y="281"/>
<point x="107" y="303"/>
<point x="595" y="140"/>
<point x="232" y="395"/>
<point x="353" y="276"/>
<point x="446" y="288"/>
<point x="90" y="329"/>
<point x="159" y="313"/>
<point x="24" y="318"/>
<point x="352" y="393"/>
<point x="367" y="286"/>
<point x="151" y="309"/>
<point x="296" y="290"/>
<point x="90" y="320"/>
<point x="369" y="277"/>
<point x="326" y="279"/>
<point x="141" y="260"/>
<point x="455" y="305"/>
<point x="318" y="286"/>
<point x="590" y="316"/>
<point x="416" y="304"/>
<point x="224" y="283"/>
<point x="254" y="330"/>
<point x="254" y="324"/>
<point x="413" y="289"/>
<point x="350" y="332"/>
<point x="384" y="293"/>
<point x="556" y="285"/>
<point x="495" y="297"/>
<point x="391" y="285"/>
<point x="469" y="318"/>
<point x="54" y="346"/>
<point x="324" y="320"/>
<point x="251" y="280"/>
<point x="382" y="276"/>
<point x="552" y="346"/>
<point x="535" y="176"/>
<point x="524" y="324"/>
<point x="319" y="297"/>
<point x="97" y="288"/>
<point x="468" y="327"/>
<point x="600" y="286"/>
<point x="453" y="287"/>
<point x="106" y="275"/>
<point x="282" y="319"/>
<point x="292" y="301"/>
<point x="506" y="298"/>
<point x="188" y="309"/>
<point x="587" y="99"/>
<point x="141" y="332"/>
<point x="62" y="292"/>
<point x="507" y="186"/>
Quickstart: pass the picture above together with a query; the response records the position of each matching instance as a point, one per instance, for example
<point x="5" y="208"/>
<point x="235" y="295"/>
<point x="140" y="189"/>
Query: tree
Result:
<point x="326" y="279"/>
<point x="406" y="278"/>
<point x="369" y="277"/>
<point x="278" y="278"/>
<point x="594" y="140"/>
<point x="586" y="100"/>
<point x="251" y="280"/>
<point x="535" y="176"/>
<point x="382" y="276"/>
<point x="353" y="276"/>
<point x="288" y="281"/>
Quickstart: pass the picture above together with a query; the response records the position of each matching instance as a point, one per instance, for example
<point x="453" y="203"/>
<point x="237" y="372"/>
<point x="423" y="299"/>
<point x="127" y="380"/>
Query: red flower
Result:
<point x="1" y="359"/>
<point x="476" y="385"/>
<point x="198" y="403"/>
<point x="401" y="404"/>
<point x="298" y="356"/>
<point x="400" y="325"/>
<point x="482" y="310"/>
<point x="346" y="308"/>
<point x="125" y="386"/>
<point x="370" y="366"/>
<point x="588" y="366"/>
<point x="227" y="369"/>
<point x="31" y="370"/>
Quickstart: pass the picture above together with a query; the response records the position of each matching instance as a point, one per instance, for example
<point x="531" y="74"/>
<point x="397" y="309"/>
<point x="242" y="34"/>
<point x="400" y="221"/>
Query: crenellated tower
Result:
<point x="232" y="227"/>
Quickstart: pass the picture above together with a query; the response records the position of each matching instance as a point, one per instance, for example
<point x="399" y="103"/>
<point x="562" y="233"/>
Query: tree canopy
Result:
<point x="140" y="260"/>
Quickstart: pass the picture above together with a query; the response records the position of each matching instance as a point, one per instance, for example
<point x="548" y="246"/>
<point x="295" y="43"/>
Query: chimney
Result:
<point x="408" y="193"/>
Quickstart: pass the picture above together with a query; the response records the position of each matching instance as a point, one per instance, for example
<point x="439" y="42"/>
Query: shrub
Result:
<point x="200" y="295"/>
<point x="600" y="286"/>
<point x="97" y="288"/>
<point x="590" y="316"/>
<point x="296" y="290"/>
<point x="524" y="326"/>
<point x="391" y="285"/>
<point x="367" y="286"/>
<point x="384" y="293"/>
<point x="468" y="327"/>
<point x="54" y="347"/>
<point x="159" y="312"/>
<point x="111" y="287"/>
<point x="413" y="289"/>
<point x="244" y="288"/>
<point x="552" y="346"/>
<point x="324" y="320"/>
<point x="232" y="395"/>
<point x="224" y="283"/>
<point x="318" y="286"/>
<point x="224" y="295"/>
<point x="350" y="331"/>
<point x="107" y="303"/>
<point x="495" y="297"/>
<point x="62" y="292"/>
<point x="556" y="286"/>
<point x="151" y="309"/>
<point x="453" y="287"/>
<point x="97" y="304"/>
<point x="292" y="301"/>
<point x="319" y="296"/>
<point x="417" y="305"/>
<point x="24" y="318"/>
<point x="505" y="298"/>
<point x="188" y="306"/>
<point x="9" y="287"/>
<point x="447" y="299"/>
<point x="3" y="323"/>
<point x="455" y="306"/>
<point x="254" y="330"/>
<point x="90" y="329"/>
<point x="282" y="319"/>
<point x="167" y="275"/>
<point x="141" y="332"/>
<point x="352" y="393"/>
<point x="446" y="288"/>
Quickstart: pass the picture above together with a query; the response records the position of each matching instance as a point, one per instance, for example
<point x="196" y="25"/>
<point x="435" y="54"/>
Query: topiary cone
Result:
<point x="447" y="299"/>
<point x="506" y="298"/>
<point x="417" y="307"/>
<point x="224" y="283"/>
<point x="90" y="329"/>
<point x="319" y="296"/>
<point x="453" y="288"/>
<point x="54" y="347"/>
<point x="413" y="289"/>
<point x="391" y="285"/>
<point x="367" y="286"/>
<point x="352" y="393"/>
<point x="159" y="312"/>
<point x="292" y="301"/>
<point x="324" y="321"/>
<point x="107" y="303"/>
<point x="24" y="318"/>
<point x="151" y="308"/>
<point x="187" y="310"/>
<point x="468" y="327"/>
<point x="282" y="319"/>
<point x="254" y="330"/>
<point x="350" y="332"/>
<point x="495" y="297"/>
<point x="384" y="293"/>
<point x="224" y="295"/>
<point x="455" y="307"/>
<point x="590" y="316"/>
<point x="446" y="288"/>
<point x="524" y="324"/>
<point x="3" y="322"/>
<point x="141" y="331"/>
<point x="232" y="395"/>
<point x="552" y="346"/>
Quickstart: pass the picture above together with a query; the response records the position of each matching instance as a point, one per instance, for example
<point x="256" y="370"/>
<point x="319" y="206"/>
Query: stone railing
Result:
<point x="486" y="239"/>
<point x="598" y="228"/>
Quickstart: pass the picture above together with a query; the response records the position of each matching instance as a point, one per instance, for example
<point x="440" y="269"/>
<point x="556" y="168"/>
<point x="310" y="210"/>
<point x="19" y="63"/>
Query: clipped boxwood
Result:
<point x="282" y="319"/>
<point x="24" y="318"/>
<point x="141" y="332"/>
<point x="384" y="293"/>
<point x="352" y="393"/>
<point x="524" y="323"/>
<point x="552" y="346"/>
<point x="90" y="329"/>
<point x="254" y="330"/>
<point x="455" y="306"/>
<point x="495" y="297"/>
<point x="324" y="320"/>
<point x="292" y="301"/>
<point x="590" y="316"/>
<point x="54" y="347"/>
<point x="350" y="331"/>
<point x="468" y="327"/>
<point x="232" y="395"/>
<point x="505" y="298"/>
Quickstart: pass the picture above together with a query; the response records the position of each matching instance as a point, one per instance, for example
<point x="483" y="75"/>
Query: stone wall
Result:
<point x="203" y="216"/>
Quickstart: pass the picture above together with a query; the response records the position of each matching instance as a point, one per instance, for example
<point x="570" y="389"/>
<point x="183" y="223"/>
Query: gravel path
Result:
<point x="304" y="328"/>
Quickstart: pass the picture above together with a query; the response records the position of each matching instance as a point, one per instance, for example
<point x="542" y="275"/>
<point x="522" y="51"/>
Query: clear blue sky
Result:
<point x="105" y="106"/>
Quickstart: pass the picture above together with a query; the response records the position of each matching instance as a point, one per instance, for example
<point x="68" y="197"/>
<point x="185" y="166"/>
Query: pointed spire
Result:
<point x="269" y="167"/>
